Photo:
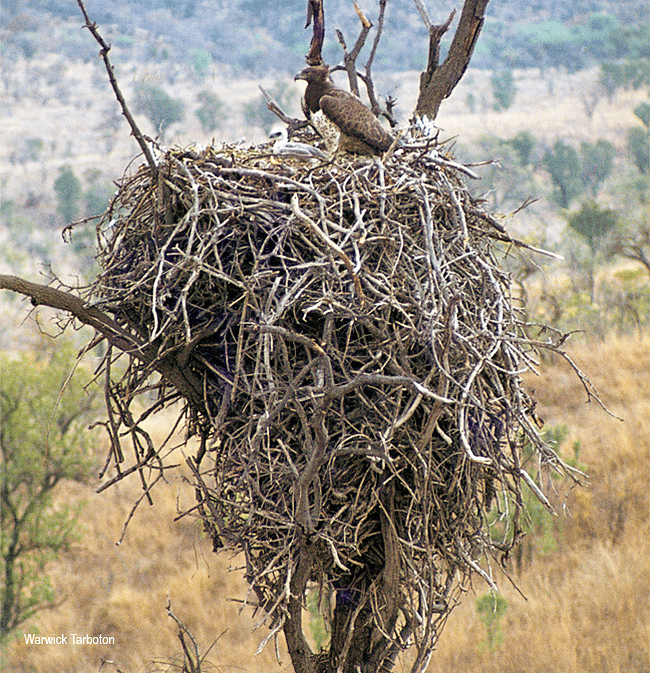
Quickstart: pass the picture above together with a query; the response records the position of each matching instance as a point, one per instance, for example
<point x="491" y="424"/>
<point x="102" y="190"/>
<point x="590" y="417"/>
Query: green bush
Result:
<point x="597" y="160"/>
<point x="638" y="145"/>
<point x="491" y="608"/>
<point x="503" y="89"/>
<point x="43" y="442"/>
<point x="161" y="109"/>
<point x="212" y="111"/>
<point x="563" y="164"/>
<point x="592" y="223"/>
<point x="68" y="193"/>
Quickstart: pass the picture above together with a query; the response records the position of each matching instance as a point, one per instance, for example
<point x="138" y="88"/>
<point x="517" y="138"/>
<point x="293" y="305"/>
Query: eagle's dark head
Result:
<point x="314" y="73"/>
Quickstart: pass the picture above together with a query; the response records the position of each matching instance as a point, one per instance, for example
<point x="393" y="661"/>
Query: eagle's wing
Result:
<point x="354" y="119"/>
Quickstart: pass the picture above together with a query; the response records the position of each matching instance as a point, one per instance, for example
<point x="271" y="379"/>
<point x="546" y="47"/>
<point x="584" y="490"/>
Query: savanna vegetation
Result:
<point x="581" y="602"/>
<point x="584" y="576"/>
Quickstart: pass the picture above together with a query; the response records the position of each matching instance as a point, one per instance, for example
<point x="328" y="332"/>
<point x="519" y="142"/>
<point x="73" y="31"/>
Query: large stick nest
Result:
<point x="356" y="357"/>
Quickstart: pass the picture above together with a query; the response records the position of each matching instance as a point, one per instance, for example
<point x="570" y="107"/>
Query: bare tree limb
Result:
<point x="293" y="124"/>
<point x="350" y="62"/>
<point x="350" y="57"/>
<point x="439" y="80"/>
<point x="186" y="382"/>
<point x="316" y="14"/>
<point x="105" y="48"/>
<point x="371" y="94"/>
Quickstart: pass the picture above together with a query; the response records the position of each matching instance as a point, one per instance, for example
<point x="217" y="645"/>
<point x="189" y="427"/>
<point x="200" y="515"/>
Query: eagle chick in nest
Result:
<point x="339" y="116"/>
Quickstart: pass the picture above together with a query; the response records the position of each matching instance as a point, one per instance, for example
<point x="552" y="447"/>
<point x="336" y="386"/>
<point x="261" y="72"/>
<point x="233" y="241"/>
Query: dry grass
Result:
<point x="122" y="591"/>
<point x="588" y="601"/>
<point x="586" y="611"/>
<point x="588" y="606"/>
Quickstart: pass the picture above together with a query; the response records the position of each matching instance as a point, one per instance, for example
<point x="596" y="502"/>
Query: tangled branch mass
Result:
<point x="355" y="358"/>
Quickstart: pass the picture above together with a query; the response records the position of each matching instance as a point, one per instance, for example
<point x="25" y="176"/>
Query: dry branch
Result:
<point x="105" y="48"/>
<point x="344" y="343"/>
<point x="315" y="14"/>
<point x="439" y="79"/>
<point x="342" y="338"/>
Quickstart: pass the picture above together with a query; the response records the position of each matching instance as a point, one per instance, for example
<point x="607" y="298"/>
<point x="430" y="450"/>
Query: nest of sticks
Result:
<point x="357" y="355"/>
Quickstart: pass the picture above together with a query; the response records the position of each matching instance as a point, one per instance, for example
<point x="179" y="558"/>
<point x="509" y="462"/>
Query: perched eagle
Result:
<point x="339" y="116"/>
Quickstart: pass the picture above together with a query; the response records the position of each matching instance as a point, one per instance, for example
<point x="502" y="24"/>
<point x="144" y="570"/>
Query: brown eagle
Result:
<point x="339" y="116"/>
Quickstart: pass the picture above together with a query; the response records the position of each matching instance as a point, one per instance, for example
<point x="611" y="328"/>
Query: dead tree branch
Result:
<point x="368" y="77"/>
<point x="114" y="333"/>
<point x="316" y="14"/>
<point x="350" y="57"/>
<point x="350" y="61"/>
<point x="292" y="123"/>
<point x="439" y="79"/>
<point x="105" y="48"/>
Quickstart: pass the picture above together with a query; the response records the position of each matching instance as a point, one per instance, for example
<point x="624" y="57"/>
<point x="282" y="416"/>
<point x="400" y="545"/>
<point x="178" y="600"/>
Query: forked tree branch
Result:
<point x="350" y="57"/>
<point x="350" y="61"/>
<point x="439" y="80"/>
<point x="371" y="58"/>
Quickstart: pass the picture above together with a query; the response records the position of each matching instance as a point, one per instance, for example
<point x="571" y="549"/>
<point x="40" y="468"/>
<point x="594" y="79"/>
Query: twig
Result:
<point x="350" y="58"/>
<point x="105" y="48"/>
<point x="292" y="123"/>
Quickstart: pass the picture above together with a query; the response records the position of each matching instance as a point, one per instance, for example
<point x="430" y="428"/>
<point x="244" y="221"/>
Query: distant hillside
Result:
<point x="254" y="35"/>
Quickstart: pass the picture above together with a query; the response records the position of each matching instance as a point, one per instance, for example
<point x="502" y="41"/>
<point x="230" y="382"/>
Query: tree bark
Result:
<point x="186" y="383"/>
<point x="439" y="80"/>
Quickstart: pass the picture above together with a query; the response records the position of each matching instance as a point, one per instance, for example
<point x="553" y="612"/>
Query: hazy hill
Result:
<point x="256" y="35"/>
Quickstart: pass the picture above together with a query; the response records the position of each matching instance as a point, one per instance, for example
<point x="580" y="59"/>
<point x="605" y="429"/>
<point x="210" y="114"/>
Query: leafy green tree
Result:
<point x="631" y="74"/>
<point x="563" y="164"/>
<point x="161" y="109"/>
<point x="638" y="145"/>
<point x="540" y="528"/>
<point x="642" y="111"/>
<point x="98" y="193"/>
<point x="523" y="144"/>
<point x="490" y="609"/>
<point x="43" y="442"/>
<point x="34" y="148"/>
<point x="632" y="239"/>
<point x="503" y="89"/>
<point x="212" y="111"/>
<point x="597" y="160"/>
<point x="638" y="139"/>
<point x="68" y="193"/>
<point x="201" y="62"/>
<point x="592" y="223"/>
<point x="609" y="79"/>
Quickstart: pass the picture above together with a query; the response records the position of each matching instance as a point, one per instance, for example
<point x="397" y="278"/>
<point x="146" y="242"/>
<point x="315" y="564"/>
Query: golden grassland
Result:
<point x="587" y="606"/>
<point x="587" y="595"/>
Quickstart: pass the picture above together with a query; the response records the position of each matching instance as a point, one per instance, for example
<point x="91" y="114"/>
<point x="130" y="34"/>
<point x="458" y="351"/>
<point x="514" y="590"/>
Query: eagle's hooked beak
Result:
<point x="301" y="75"/>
